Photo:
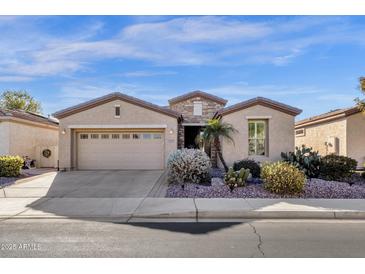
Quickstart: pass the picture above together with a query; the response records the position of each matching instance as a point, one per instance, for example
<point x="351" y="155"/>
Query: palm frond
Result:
<point x="217" y="129"/>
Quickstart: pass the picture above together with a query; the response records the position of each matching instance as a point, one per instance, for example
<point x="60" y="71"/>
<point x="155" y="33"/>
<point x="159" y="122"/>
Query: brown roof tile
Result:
<point x="111" y="97"/>
<point x="195" y="94"/>
<point x="328" y="116"/>
<point x="29" y="116"/>
<point x="264" y="102"/>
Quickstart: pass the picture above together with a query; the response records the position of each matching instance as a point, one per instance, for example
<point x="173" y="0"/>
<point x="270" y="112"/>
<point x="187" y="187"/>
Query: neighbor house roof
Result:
<point x="263" y="102"/>
<point x="26" y="115"/>
<point x="111" y="97"/>
<point x="197" y="93"/>
<point x="328" y="116"/>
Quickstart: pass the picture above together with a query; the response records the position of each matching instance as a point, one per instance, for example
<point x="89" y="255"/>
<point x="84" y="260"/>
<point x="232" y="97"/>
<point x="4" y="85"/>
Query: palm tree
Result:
<point x="213" y="133"/>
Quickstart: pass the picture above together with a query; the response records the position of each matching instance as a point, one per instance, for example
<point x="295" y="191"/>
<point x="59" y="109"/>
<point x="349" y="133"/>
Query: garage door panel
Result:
<point x="120" y="153"/>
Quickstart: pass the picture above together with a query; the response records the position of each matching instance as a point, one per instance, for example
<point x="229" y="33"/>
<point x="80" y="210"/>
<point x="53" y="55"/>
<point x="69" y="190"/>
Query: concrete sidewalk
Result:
<point x="134" y="209"/>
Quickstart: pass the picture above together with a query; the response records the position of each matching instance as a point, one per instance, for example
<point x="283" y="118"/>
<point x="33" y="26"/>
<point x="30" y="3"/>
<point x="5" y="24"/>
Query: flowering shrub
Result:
<point x="10" y="166"/>
<point x="236" y="178"/>
<point x="188" y="165"/>
<point x="283" y="178"/>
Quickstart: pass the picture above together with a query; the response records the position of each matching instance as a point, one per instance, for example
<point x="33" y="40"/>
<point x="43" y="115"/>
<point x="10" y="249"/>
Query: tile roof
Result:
<point x="331" y="115"/>
<point x="111" y="97"/>
<point x="261" y="101"/>
<point x="200" y="94"/>
<point x="28" y="116"/>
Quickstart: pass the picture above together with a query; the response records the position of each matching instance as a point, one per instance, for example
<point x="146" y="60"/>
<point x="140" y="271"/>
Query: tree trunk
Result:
<point x="213" y="156"/>
<point x="219" y="152"/>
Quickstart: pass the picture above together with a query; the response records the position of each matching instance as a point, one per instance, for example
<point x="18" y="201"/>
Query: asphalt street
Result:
<point x="269" y="238"/>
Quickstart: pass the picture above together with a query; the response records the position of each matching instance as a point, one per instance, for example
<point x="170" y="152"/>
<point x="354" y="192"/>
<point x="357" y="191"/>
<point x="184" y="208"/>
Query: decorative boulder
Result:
<point x="217" y="181"/>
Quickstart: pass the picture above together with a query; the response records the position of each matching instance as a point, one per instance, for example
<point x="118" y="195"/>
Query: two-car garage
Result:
<point x="116" y="131"/>
<point x="120" y="150"/>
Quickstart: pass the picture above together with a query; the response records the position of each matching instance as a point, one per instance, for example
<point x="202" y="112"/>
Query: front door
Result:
<point x="190" y="138"/>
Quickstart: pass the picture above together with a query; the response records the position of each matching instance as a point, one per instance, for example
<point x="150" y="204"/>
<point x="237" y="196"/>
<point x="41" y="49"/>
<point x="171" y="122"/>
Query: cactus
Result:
<point x="305" y="159"/>
<point x="236" y="178"/>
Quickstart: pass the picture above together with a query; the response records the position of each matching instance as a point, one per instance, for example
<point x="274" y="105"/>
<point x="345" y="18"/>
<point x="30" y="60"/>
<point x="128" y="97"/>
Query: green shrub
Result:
<point x="283" y="178"/>
<point x="188" y="165"/>
<point x="10" y="166"/>
<point x="236" y="178"/>
<point x="363" y="175"/>
<point x="335" y="168"/>
<point x="305" y="159"/>
<point x="253" y="166"/>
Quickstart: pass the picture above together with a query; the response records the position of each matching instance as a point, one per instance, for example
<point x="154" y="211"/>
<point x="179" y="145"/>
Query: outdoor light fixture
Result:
<point x="171" y="131"/>
<point x="63" y="132"/>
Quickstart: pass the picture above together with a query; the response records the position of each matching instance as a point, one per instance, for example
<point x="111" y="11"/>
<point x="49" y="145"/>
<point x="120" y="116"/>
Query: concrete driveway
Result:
<point x="88" y="184"/>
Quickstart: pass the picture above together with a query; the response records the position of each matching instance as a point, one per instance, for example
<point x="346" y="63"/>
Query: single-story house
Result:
<point x="118" y="131"/>
<point x="341" y="132"/>
<point x="28" y="134"/>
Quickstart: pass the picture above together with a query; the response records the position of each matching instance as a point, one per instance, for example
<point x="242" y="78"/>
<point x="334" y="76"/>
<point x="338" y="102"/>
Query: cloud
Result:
<point x="15" y="79"/>
<point x="345" y="99"/>
<point x="181" y="41"/>
<point x="243" y="89"/>
<point x="144" y="73"/>
<point x="75" y="92"/>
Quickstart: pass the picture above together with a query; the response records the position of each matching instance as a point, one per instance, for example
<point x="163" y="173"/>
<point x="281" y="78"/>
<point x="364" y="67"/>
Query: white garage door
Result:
<point x="120" y="150"/>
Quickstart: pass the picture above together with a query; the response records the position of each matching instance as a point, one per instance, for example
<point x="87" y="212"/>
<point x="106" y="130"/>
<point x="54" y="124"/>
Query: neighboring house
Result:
<point x="118" y="131"/>
<point x="341" y="132"/>
<point x="28" y="134"/>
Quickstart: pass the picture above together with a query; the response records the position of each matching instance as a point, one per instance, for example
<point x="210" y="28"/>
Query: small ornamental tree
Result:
<point x="19" y="100"/>
<point x="361" y="102"/>
<point x="213" y="133"/>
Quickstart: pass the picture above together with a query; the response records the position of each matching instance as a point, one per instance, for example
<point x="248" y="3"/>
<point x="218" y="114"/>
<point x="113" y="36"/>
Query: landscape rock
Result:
<point x="217" y="181"/>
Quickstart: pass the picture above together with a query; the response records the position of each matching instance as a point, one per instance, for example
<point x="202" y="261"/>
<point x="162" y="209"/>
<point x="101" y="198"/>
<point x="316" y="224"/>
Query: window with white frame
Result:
<point x="198" y="109"/>
<point x="257" y="137"/>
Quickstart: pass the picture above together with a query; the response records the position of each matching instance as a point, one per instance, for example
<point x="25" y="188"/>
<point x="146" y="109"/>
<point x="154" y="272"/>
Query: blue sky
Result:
<point x="309" y="62"/>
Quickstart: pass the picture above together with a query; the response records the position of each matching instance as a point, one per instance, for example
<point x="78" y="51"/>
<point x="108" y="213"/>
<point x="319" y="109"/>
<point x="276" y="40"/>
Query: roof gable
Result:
<point x="263" y="102"/>
<point x="111" y="97"/>
<point x="198" y="93"/>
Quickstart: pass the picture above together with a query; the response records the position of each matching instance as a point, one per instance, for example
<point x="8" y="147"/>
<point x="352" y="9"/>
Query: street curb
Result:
<point x="326" y="215"/>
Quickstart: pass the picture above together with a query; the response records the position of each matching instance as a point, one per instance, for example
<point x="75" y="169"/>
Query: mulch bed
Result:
<point x="7" y="181"/>
<point x="315" y="188"/>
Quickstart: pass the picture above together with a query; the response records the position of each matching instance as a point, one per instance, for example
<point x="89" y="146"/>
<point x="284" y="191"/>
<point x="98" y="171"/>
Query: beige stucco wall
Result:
<point x="130" y="114"/>
<point x="317" y="135"/>
<point x="4" y="137"/>
<point x="280" y="133"/>
<point x="28" y="139"/>
<point x="356" y="138"/>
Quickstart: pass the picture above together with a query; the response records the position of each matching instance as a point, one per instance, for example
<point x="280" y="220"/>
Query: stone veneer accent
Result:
<point x="186" y="108"/>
